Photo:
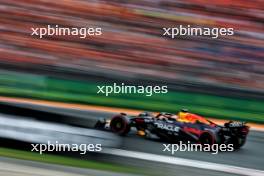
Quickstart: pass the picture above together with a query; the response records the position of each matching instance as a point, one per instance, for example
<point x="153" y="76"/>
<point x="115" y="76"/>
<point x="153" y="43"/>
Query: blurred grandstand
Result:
<point x="131" y="43"/>
<point x="131" y="46"/>
<point x="219" y="78"/>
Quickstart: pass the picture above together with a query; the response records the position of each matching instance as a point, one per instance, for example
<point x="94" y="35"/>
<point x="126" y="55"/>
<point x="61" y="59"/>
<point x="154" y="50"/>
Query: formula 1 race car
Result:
<point x="184" y="126"/>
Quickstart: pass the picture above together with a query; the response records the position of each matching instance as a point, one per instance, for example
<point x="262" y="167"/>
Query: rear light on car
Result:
<point x="245" y="130"/>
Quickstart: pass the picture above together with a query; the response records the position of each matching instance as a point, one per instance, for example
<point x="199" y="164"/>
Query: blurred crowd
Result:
<point x="132" y="43"/>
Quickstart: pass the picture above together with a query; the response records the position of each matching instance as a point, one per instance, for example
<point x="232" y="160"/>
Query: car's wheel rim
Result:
<point x="118" y="125"/>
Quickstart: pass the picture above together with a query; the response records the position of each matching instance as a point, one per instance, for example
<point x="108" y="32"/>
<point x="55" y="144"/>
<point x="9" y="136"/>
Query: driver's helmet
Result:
<point x="182" y="114"/>
<point x="184" y="110"/>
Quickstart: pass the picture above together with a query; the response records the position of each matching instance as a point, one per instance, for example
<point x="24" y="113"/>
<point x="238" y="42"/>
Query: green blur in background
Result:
<point x="72" y="91"/>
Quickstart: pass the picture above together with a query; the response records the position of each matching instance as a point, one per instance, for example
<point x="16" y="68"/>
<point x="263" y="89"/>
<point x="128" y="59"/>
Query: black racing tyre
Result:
<point x="120" y="125"/>
<point x="206" y="138"/>
<point x="238" y="142"/>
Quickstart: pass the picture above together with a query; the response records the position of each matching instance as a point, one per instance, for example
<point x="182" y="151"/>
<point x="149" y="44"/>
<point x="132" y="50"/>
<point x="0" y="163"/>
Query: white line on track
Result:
<point x="185" y="162"/>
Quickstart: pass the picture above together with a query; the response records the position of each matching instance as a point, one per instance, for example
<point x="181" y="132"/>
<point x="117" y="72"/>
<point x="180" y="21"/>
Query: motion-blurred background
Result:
<point x="219" y="78"/>
<point x="132" y="50"/>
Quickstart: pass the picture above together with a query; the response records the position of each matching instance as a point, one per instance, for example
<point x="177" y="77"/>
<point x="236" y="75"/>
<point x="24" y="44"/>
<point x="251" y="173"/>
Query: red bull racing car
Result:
<point x="184" y="126"/>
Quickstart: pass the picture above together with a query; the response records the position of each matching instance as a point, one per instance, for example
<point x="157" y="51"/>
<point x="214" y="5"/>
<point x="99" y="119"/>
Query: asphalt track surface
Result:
<point x="250" y="156"/>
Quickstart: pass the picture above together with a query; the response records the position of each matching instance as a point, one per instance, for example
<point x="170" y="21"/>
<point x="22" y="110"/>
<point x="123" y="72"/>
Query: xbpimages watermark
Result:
<point x="131" y="89"/>
<point x="59" y="147"/>
<point x="56" y="30"/>
<point x="190" y="147"/>
<point x="189" y="30"/>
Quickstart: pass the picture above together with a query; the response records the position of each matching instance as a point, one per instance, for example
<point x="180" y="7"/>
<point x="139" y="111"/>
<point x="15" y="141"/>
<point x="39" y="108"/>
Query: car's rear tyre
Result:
<point x="120" y="125"/>
<point x="238" y="143"/>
